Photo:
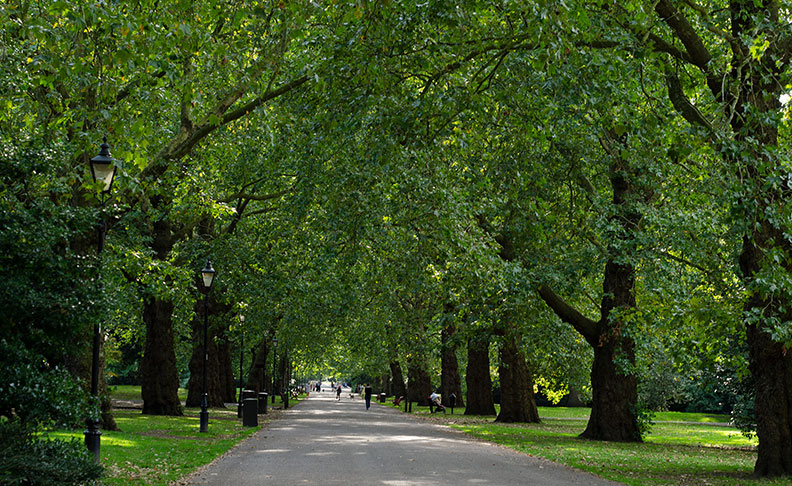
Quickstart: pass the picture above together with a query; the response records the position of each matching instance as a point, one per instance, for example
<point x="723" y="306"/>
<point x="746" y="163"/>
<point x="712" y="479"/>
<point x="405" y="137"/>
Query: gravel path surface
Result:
<point x="330" y="442"/>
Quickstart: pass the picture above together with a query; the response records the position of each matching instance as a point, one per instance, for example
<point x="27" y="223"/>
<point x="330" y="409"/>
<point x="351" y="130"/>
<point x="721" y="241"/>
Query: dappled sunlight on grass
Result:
<point x="674" y="453"/>
<point x="156" y="450"/>
<point x="109" y="440"/>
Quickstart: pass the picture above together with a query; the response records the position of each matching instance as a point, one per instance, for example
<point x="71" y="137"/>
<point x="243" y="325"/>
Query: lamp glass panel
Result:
<point x="103" y="173"/>
<point x="207" y="278"/>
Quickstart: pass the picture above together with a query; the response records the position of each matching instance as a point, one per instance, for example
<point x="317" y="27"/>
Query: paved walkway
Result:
<point x="329" y="442"/>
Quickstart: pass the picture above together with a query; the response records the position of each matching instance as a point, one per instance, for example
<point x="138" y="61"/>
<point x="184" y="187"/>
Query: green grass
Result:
<point x="132" y="392"/>
<point x="157" y="450"/>
<point x="663" y="460"/>
<point x="681" y="448"/>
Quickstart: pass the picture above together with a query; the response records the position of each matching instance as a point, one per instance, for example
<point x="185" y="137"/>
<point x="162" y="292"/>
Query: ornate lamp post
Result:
<point x="207" y="275"/>
<point x="102" y="170"/>
<point x="241" y="358"/>
<point x="274" y="350"/>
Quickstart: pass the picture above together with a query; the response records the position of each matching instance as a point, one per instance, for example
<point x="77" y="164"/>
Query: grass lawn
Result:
<point x="681" y="449"/>
<point x="157" y="450"/>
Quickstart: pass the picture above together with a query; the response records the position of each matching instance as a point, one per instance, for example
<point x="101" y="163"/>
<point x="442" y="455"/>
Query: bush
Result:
<point x="34" y="396"/>
<point x="660" y="385"/>
<point x="32" y="460"/>
<point x="35" y="393"/>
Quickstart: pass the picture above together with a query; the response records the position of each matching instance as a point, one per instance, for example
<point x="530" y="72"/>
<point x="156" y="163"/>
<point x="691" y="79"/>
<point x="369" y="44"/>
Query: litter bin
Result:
<point x="249" y="412"/>
<point x="382" y="397"/>
<point x="262" y="402"/>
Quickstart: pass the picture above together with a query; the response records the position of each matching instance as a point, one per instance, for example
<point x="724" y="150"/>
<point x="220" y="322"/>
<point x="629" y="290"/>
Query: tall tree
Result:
<point x="726" y="66"/>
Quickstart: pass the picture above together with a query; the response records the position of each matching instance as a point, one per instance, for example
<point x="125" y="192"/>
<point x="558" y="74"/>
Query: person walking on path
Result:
<point x="338" y="392"/>
<point x="367" y="394"/>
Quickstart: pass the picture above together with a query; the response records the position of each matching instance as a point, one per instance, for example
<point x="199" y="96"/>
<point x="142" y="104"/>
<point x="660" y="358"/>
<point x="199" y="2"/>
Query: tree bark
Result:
<point x="159" y="375"/>
<point x="399" y="388"/>
<point x="614" y="395"/>
<point x="516" y="384"/>
<point x="770" y="364"/>
<point x="477" y="378"/>
<point x="450" y="381"/>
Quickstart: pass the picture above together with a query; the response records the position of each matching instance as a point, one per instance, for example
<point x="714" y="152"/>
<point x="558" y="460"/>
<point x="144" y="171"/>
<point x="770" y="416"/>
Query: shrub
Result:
<point x="29" y="459"/>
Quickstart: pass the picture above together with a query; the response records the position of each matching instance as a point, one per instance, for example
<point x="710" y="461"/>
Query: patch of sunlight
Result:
<point x="65" y="434"/>
<point x="117" y="441"/>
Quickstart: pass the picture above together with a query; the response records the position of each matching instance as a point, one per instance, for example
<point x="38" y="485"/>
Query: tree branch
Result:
<point x="588" y="328"/>
<point x="256" y="197"/>
<point x="699" y="55"/>
<point x="183" y="142"/>
<point x="682" y="104"/>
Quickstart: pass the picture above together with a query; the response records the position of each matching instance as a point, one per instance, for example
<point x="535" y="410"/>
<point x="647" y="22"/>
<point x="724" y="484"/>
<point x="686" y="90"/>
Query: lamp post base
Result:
<point x="93" y="437"/>
<point x="204" y="413"/>
<point x="204" y="421"/>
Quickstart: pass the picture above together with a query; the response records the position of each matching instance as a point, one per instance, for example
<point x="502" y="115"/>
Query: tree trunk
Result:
<point x="516" y="384"/>
<point x="217" y="380"/>
<point x="399" y="388"/>
<point x="227" y="381"/>
<point x="450" y="381"/>
<point x="614" y="396"/>
<point x="756" y="129"/>
<point x="771" y="366"/>
<point x="106" y="420"/>
<point x="214" y="390"/>
<point x="615" y="393"/>
<point x="159" y="375"/>
<point x="282" y="379"/>
<point x="257" y="376"/>
<point x="477" y="378"/>
<point x="158" y="370"/>
<point x="748" y="92"/>
<point x="419" y="382"/>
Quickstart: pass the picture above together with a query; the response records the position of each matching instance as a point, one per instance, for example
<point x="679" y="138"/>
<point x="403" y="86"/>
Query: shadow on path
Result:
<point x="330" y="442"/>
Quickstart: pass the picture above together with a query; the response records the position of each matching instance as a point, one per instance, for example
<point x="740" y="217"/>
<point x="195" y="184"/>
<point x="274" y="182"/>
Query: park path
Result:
<point x="329" y="442"/>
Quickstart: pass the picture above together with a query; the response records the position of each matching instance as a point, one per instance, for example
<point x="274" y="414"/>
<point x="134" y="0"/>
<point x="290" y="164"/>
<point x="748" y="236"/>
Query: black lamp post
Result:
<point x="103" y="170"/>
<point x="274" y="350"/>
<point x="207" y="275"/>
<point x="241" y="358"/>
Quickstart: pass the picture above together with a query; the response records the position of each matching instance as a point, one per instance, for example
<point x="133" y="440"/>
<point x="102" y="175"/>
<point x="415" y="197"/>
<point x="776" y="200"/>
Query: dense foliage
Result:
<point x="584" y="197"/>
